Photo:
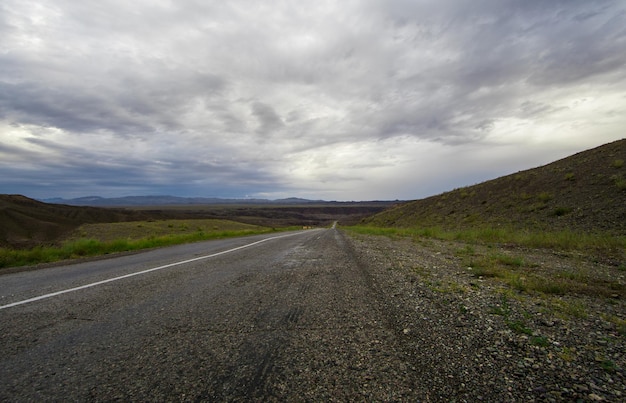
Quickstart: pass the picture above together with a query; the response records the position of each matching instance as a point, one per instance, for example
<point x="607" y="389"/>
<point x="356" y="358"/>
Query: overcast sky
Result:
<point x="335" y="100"/>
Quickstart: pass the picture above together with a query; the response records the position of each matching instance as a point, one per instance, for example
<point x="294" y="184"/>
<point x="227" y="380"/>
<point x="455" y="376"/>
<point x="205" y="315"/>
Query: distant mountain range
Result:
<point x="96" y="201"/>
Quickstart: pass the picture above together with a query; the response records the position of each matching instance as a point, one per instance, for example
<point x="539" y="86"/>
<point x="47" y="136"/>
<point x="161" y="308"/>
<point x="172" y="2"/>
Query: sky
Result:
<point x="334" y="100"/>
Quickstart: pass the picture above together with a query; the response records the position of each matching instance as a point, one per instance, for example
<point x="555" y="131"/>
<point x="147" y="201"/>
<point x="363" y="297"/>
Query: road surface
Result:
<point x="291" y="318"/>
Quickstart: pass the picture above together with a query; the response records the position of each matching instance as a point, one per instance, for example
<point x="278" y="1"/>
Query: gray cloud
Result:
<point x="269" y="121"/>
<point x="320" y="100"/>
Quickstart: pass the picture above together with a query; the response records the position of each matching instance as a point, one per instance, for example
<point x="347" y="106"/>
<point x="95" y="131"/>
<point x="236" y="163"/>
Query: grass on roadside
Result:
<point x="180" y="233"/>
<point x="514" y="270"/>
<point x="523" y="276"/>
<point x="562" y="240"/>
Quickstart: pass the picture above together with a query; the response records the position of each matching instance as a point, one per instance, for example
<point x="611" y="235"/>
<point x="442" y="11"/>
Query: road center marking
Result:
<point x="82" y="287"/>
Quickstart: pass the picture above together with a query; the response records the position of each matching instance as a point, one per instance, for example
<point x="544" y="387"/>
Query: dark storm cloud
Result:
<point x="76" y="112"/>
<point x="82" y="173"/>
<point x="124" y="106"/>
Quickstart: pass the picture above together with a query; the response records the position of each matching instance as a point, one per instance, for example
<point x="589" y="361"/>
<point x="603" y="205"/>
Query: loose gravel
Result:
<point x="475" y="338"/>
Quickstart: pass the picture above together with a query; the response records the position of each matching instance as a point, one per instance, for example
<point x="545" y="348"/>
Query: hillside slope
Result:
<point x="584" y="192"/>
<point x="26" y="222"/>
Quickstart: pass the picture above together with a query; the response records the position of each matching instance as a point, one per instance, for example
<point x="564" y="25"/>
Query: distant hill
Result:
<point x="584" y="192"/>
<point x="135" y="201"/>
<point x="25" y="222"/>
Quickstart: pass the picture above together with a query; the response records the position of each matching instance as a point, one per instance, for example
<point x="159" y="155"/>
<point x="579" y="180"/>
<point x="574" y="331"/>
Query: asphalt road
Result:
<point x="294" y="318"/>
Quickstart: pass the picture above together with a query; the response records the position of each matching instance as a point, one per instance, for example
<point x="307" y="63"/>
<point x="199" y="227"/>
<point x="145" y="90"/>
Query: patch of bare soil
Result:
<point x="475" y="330"/>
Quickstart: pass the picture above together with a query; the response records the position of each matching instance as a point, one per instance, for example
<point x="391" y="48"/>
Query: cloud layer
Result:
<point x="345" y="100"/>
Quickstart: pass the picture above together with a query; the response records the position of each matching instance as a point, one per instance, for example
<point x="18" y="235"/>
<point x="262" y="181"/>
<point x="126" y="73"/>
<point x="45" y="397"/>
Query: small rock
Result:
<point x="595" y="398"/>
<point x="540" y="390"/>
<point x="581" y="388"/>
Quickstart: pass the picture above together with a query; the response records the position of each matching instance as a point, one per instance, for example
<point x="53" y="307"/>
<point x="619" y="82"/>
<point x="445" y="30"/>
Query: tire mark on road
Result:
<point x="293" y="316"/>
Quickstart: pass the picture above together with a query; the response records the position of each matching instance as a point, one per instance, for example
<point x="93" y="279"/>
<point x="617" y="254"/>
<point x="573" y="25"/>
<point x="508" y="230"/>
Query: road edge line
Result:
<point x="110" y="280"/>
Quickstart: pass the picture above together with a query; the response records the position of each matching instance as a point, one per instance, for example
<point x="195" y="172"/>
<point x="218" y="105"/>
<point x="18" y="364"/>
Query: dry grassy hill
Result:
<point x="26" y="222"/>
<point x="584" y="192"/>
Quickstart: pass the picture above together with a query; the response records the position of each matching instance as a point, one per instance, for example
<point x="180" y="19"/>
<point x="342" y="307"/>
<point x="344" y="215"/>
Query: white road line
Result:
<point x="82" y="287"/>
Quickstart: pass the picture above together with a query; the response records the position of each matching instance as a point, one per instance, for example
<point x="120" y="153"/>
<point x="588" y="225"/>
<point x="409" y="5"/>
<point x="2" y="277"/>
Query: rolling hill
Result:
<point x="25" y="222"/>
<point x="584" y="192"/>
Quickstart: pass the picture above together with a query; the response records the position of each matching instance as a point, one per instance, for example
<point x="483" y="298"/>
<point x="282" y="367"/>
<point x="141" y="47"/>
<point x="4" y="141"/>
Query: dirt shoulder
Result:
<point x="477" y="333"/>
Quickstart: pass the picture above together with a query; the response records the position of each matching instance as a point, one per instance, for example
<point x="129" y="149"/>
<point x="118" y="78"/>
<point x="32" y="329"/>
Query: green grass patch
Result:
<point x="85" y="247"/>
<point x="485" y="267"/>
<point x="504" y="310"/>
<point x="608" y="365"/>
<point x="539" y="341"/>
<point x="561" y="240"/>
<point x="545" y="197"/>
<point x="155" y="228"/>
<point x="510" y="260"/>
<point x="568" y="354"/>
<point x="569" y="308"/>
<point x="619" y="181"/>
<point x="518" y="327"/>
<point x="520" y="276"/>
<point x="467" y="250"/>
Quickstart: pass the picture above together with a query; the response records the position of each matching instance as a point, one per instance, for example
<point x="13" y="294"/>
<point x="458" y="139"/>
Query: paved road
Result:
<point x="287" y="319"/>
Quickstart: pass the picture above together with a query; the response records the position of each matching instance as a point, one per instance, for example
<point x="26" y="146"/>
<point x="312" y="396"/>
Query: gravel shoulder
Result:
<point x="478" y="338"/>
